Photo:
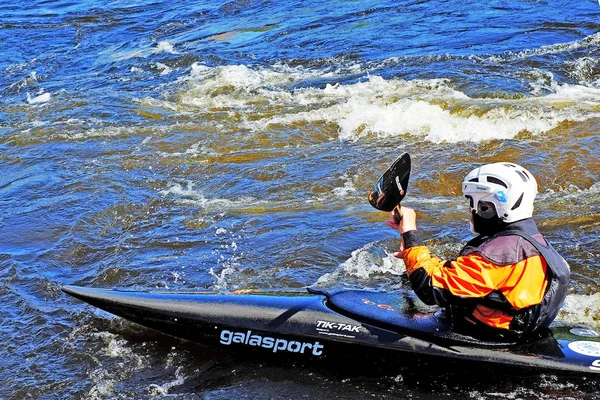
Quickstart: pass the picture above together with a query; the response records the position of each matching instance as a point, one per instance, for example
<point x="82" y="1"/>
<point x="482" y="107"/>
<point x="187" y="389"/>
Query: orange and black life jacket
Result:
<point x="511" y="282"/>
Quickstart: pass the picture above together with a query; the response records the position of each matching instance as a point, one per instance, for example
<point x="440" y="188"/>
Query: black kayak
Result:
<point x="315" y="323"/>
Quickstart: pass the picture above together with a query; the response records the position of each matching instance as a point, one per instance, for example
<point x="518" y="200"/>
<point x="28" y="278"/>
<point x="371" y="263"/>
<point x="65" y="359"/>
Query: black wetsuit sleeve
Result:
<point x="412" y="239"/>
<point x="429" y="294"/>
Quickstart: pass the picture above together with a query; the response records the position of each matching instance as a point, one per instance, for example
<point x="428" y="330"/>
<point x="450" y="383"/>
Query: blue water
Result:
<point x="227" y="145"/>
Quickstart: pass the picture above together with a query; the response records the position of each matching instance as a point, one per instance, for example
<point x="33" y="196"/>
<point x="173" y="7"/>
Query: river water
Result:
<point x="224" y="145"/>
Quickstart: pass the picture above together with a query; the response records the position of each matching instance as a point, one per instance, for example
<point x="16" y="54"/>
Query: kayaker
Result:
<point x="507" y="283"/>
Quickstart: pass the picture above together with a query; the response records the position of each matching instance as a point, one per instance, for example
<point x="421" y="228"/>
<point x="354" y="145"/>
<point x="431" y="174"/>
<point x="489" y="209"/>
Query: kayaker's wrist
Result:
<point x="412" y="238"/>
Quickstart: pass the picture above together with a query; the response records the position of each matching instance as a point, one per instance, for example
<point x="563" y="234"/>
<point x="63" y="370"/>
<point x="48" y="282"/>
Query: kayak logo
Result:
<point x="584" y="332"/>
<point x="399" y="184"/>
<point x="378" y="305"/>
<point x="587" y="348"/>
<point x="267" y="342"/>
<point x="337" y="326"/>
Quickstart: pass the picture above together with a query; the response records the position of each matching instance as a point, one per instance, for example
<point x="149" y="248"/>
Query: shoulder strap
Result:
<point x="555" y="261"/>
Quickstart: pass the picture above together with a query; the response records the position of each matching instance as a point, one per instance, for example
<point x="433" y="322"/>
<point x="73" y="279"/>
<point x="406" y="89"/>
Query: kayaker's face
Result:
<point x="470" y="209"/>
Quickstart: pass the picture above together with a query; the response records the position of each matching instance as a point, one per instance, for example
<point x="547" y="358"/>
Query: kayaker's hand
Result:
<point x="408" y="221"/>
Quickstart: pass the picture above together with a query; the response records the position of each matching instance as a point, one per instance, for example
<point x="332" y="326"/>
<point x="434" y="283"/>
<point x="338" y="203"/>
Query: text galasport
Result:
<point x="267" y="342"/>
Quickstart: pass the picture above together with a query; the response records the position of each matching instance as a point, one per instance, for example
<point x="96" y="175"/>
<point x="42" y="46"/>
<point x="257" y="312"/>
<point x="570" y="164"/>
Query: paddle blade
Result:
<point x="391" y="187"/>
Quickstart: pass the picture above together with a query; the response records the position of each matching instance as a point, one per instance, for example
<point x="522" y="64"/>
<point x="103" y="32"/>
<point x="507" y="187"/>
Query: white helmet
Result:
<point x="509" y="187"/>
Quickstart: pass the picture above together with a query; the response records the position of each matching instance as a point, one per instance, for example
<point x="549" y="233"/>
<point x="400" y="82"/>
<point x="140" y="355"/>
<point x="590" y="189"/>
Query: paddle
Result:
<point x="391" y="188"/>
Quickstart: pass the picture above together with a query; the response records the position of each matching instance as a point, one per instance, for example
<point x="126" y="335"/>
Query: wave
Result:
<point x="581" y="309"/>
<point x="370" y="265"/>
<point x="585" y="43"/>
<point x="263" y="99"/>
<point x="188" y="195"/>
<point x="123" y="53"/>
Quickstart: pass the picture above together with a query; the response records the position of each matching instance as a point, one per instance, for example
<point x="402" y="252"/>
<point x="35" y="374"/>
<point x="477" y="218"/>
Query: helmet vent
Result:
<point x="497" y="181"/>
<point x="474" y="179"/>
<point x="523" y="175"/>
<point x="518" y="202"/>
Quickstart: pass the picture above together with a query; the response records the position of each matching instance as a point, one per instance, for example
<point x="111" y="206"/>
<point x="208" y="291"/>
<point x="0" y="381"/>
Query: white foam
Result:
<point x="164" y="69"/>
<point x="103" y="384"/>
<point x="118" y="53"/>
<point x="430" y="109"/>
<point x="194" y="150"/>
<point x="241" y="86"/>
<point x="177" y="276"/>
<point x="123" y="55"/>
<point x="118" y="347"/>
<point x="165" y="47"/>
<point x="589" y="41"/>
<point x="107" y="132"/>
<point x="364" y="264"/>
<point x="581" y="309"/>
<point x="221" y="278"/>
<point x="30" y="80"/>
<point x="348" y="189"/>
<point x="188" y="195"/>
<point x="576" y="94"/>
<point x="39" y="99"/>
<point x="572" y="193"/>
<point x="129" y="362"/>
<point x="234" y="86"/>
<point x="583" y="69"/>
<point x="150" y="102"/>
<point x="440" y="114"/>
<point x="163" y="390"/>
